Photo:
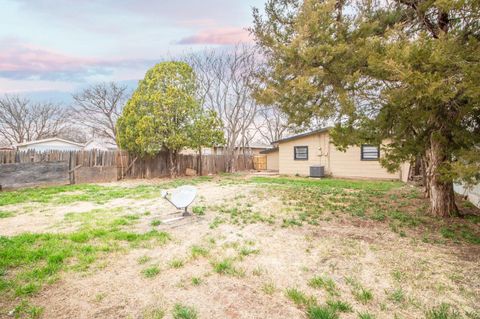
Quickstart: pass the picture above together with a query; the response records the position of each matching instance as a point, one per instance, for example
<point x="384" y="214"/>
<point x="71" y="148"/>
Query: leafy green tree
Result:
<point x="406" y="71"/>
<point x="160" y="113"/>
<point x="206" y="131"/>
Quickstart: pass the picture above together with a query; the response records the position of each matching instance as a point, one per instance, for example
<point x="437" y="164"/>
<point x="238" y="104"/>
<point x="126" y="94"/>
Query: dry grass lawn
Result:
<point x="256" y="247"/>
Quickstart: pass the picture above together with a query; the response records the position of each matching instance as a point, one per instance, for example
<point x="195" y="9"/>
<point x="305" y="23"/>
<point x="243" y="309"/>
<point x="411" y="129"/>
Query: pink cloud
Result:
<point x="18" y="57"/>
<point x="25" y="61"/>
<point x="223" y="36"/>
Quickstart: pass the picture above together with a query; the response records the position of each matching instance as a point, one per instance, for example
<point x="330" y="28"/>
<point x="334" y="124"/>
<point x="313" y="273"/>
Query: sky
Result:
<point x="52" y="48"/>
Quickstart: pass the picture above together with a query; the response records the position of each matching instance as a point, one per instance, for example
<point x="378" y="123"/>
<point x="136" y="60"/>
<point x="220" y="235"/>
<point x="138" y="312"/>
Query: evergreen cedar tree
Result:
<point x="406" y="71"/>
<point x="164" y="114"/>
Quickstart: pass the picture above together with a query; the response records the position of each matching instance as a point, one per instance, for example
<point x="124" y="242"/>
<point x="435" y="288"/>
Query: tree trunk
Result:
<point x="440" y="191"/>
<point x="199" y="164"/>
<point x="229" y="159"/>
<point x="172" y="155"/>
<point x="426" y="185"/>
<point x="232" y="161"/>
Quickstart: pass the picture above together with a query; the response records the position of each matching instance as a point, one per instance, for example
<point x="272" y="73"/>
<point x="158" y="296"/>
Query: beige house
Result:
<point x="295" y="155"/>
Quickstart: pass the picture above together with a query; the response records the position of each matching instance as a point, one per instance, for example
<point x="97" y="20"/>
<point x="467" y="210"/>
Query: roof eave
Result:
<point x="270" y="150"/>
<point x="294" y="137"/>
<point x="49" y="140"/>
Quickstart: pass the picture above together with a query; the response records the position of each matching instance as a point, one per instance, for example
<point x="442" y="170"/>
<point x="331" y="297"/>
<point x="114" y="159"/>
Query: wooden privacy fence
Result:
<point x="260" y="162"/>
<point x="30" y="168"/>
<point x="159" y="166"/>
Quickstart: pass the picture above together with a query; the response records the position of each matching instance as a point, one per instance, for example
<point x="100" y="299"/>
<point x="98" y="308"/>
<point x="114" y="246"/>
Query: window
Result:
<point x="370" y="153"/>
<point x="300" y="153"/>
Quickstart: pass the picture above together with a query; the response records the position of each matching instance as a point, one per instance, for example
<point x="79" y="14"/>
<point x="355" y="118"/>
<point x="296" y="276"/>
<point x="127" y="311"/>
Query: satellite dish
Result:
<point x="181" y="197"/>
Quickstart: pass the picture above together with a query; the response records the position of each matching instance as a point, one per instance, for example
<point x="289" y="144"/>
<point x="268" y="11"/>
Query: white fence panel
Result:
<point x="473" y="194"/>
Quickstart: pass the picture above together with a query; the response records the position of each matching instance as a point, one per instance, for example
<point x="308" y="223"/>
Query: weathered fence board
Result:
<point x="33" y="174"/>
<point x="260" y="162"/>
<point x="98" y="174"/>
<point x="159" y="165"/>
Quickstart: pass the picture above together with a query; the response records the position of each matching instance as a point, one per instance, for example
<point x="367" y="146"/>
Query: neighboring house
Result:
<point x="252" y="149"/>
<point x="296" y="154"/>
<point x="99" y="144"/>
<point x="50" y="144"/>
<point x="190" y="151"/>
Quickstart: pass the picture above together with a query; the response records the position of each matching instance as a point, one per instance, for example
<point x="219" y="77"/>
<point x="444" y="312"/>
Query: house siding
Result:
<point x="50" y="145"/>
<point x="272" y="161"/>
<point x="337" y="163"/>
<point x="317" y="145"/>
<point x="348" y="164"/>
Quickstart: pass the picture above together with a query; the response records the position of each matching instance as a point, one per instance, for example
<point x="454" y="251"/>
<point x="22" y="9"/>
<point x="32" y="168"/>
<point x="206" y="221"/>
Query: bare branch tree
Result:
<point x="22" y="120"/>
<point x="98" y="108"/>
<point x="271" y="124"/>
<point x="225" y="81"/>
<point x="75" y="133"/>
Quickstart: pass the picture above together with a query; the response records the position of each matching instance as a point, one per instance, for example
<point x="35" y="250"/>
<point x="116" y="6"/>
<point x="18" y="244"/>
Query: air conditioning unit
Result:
<point x="317" y="171"/>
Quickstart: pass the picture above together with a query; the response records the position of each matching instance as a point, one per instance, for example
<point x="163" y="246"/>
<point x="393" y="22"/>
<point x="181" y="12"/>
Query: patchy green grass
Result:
<point x="226" y="267"/>
<point x="402" y="208"/>
<point x="246" y="251"/>
<point x="196" y="281"/>
<point x="90" y="192"/>
<point x="315" y="200"/>
<point x="361" y="294"/>
<point x="199" y="210"/>
<point x="156" y="222"/>
<point x="397" y="296"/>
<point x="151" y="271"/>
<point x="324" y="282"/>
<point x="299" y="298"/>
<point x="327" y="183"/>
<point x="28" y="261"/>
<point x="176" y="263"/>
<point x="184" y="312"/>
<point x="365" y="315"/>
<point x="243" y="215"/>
<point x="6" y="214"/>
<point x="321" y="312"/>
<point x="154" y="313"/>
<point x="198" y="251"/>
<point x="26" y="310"/>
<point x="269" y="288"/>
<point x="443" y="311"/>
<point x="339" y="306"/>
<point x="313" y="310"/>
<point x="460" y="233"/>
<point x="217" y="221"/>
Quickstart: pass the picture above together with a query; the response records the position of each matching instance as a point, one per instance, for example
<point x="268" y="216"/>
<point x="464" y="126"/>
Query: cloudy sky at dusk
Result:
<point x="50" y="48"/>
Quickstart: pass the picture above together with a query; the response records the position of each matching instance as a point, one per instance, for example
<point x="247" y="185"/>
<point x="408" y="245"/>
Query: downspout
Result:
<point x="328" y="154"/>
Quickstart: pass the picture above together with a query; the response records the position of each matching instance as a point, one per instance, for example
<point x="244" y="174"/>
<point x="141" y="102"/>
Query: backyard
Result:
<point x="255" y="247"/>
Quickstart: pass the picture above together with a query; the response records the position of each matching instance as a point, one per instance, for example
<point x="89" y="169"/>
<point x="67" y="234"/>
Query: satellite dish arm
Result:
<point x="165" y="195"/>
